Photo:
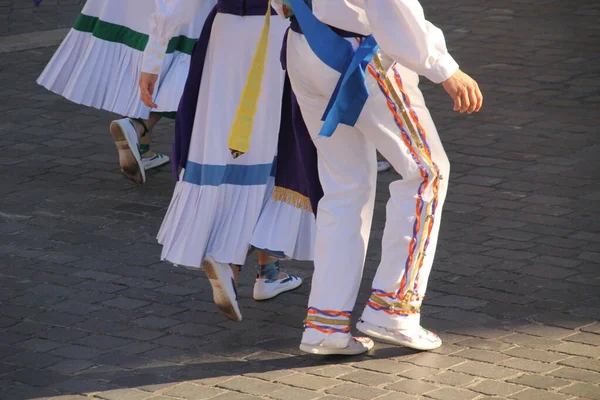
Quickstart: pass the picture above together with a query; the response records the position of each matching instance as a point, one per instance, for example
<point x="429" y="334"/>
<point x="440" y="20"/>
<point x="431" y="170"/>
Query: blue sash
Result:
<point x="351" y="92"/>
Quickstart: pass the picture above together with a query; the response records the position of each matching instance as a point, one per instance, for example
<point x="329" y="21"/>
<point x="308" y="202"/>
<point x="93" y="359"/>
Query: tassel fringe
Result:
<point x="292" y="198"/>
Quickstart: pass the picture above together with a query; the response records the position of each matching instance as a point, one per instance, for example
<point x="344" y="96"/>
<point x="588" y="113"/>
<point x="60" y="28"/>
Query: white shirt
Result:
<point x="166" y="22"/>
<point x="400" y="28"/>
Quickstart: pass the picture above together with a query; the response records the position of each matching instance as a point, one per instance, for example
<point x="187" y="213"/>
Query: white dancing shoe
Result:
<point x="265" y="289"/>
<point x="417" y="338"/>
<point x="124" y="134"/>
<point x="357" y="345"/>
<point x="224" y="289"/>
<point x="156" y="161"/>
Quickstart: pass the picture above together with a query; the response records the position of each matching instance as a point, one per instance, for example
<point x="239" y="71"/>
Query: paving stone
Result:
<point x="308" y="381"/>
<point x="250" y="386"/>
<point x="369" y="378"/>
<point x="140" y="334"/>
<point x="586" y="338"/>
<point x="544" y="331"/>
<point x="452" y="394"/>
<point x="530" y="341"/>
<point x="34" y="360"/>
<point x="451" y="378"/>
<point x="578" y="349"/>
<point x="482" y="355"/>
<point x="58" y="318"/>
<point x="534" y="354"/>
<point x="576" y="374"/>
<point x="584" y="390"/>
<point x="540" y="382"/>
<point x="383" y="365"/>
<point x="103" y="342"/>
<point x="41" y="345"/>
<point x="418" y="372"/>
<point x="465" y="303"/>
<point x="233" y="396"/>
<point x="37" y="378"/>
<point x="528" y="365"/>
<point x="20" y="391"/>
<point x="353" y="391"/>
<point x="567" y="321"/>
<point x="125" y="303"/>
<point x="536" y="394"/>
<point x="432" y="360"/>
<point x="485" y="344"/>
<point x="496" y="388"/>
<point x="391" y="396"/>
<point x="154" y="322"/>
<point x="412" y="387"/>
<point x="189" y="329"/>
<point x="485" y="370"/>
<point x="191" y="391"/>
<point x="124" y="394"/>
<point x="581" y="363"/>
<point x="78" y="352"/>
<point x="295" y="393"/>
<point x="69" y="367"/>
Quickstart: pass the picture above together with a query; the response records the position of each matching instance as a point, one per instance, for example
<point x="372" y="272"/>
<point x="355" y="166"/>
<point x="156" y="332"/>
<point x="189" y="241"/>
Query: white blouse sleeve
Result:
<point x="165" y="23"/>
<point x="401" y="30"/>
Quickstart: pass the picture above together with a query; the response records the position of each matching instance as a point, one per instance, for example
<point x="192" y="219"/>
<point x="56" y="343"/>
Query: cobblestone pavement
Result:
<point x="20" y="16"/>
<point x="87" y="310"/>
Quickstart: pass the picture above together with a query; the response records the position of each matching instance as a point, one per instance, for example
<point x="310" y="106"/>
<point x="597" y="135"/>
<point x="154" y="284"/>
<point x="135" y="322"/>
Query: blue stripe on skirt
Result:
<point x="216" y="175"/>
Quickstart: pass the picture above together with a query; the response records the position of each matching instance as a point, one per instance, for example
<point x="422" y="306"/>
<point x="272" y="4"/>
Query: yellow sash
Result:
<point x="241" y="129"/>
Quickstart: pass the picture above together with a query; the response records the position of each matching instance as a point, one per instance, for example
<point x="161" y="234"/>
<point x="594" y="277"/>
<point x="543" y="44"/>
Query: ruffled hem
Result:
<point x="215" y="221"/>
<point x="104" y="75"/>
<point x="285" y="229"/>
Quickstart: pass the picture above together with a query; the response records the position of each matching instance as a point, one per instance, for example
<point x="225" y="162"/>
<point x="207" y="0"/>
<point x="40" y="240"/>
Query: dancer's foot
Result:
<point x="223" y="281"/>
<point x="270" y="282"/>
<point x="357" y="345"/>
<point x="124" y="134"/>
<point x="417" y="338"/>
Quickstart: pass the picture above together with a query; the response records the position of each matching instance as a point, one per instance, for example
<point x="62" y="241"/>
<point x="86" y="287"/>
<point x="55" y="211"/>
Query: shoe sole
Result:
<point x="130" y="163"/>
<point x="387" y="339"/>
<point x="220" y="297"/>
<point x="278" y="292"/>
<point x="330" y="351"/>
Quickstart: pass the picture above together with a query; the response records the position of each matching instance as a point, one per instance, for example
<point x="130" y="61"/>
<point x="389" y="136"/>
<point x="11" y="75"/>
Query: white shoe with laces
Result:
<point x="156" y="161"/>
<point x="417" y="338"/>
<point x="265" y="289"/>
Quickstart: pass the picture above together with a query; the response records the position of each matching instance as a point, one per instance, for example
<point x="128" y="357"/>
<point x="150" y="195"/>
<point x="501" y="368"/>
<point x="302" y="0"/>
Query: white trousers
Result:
<point x="406" y="136"/>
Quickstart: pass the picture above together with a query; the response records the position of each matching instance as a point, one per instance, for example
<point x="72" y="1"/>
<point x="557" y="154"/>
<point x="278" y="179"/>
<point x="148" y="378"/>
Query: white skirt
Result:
<point x="218" y="201"/>
<point x="98" y="63"/>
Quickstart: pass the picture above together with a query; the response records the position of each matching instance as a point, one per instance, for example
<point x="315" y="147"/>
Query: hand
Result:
<point x="464" y="91"/>
<point x="147" y="84"/>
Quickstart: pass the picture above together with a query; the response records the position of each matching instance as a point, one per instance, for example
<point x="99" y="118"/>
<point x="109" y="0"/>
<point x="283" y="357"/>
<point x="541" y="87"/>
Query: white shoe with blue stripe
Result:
<point x="156" y="161"/>
<point x="265" y="289"/>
